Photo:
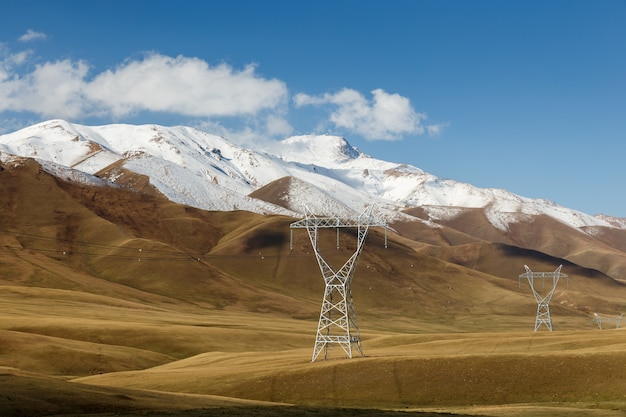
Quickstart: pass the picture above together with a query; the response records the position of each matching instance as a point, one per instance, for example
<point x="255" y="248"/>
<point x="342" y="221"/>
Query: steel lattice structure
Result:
<point x="543" y="300"/>
<point x="598" y="319"/>
<point x="337" y="324"/>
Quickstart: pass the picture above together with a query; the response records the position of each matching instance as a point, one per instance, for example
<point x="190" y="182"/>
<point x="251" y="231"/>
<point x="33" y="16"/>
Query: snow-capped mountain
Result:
<point x="327" y="174"/>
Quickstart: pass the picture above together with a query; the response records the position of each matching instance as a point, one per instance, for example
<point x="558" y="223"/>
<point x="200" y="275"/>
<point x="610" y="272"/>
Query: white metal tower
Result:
<point x="543" y="299"/>
<point x="337" y="324"/>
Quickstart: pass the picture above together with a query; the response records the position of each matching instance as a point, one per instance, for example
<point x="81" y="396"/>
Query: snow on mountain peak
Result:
<point x="209" y="172"/>
<point x="321" y="150"/>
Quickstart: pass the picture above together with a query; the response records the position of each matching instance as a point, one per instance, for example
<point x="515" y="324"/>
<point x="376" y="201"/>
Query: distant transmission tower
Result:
<point x="544" y="298"/>
<point x="337" y="324"/>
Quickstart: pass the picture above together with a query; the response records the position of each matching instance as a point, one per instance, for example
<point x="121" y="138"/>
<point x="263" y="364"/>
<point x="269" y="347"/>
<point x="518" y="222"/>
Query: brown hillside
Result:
<point x="603" y="252"/>
<point x="275" y="192"/>
<point x="114" y="287"/>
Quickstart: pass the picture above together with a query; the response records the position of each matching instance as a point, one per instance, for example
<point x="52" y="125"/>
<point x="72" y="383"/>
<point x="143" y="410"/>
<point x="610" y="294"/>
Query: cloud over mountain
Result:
<point x="386" y="117"/>
<point x="156" y="83"/>
<point x="192" y="88"/>
<point x="188" y="86"/>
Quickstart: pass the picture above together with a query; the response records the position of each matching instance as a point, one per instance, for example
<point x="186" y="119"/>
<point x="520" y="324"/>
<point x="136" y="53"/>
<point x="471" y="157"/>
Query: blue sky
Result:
<point x="527" y="95"/>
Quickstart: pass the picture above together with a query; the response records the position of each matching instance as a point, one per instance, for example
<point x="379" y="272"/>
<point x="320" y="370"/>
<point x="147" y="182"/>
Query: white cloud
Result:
<point x="277" y="126"/>
<point x="239" y="103"/>
<point x="436" y="129"/>
<point x="32" y="35"/>
<point x="264" y="129"/>
<point x="52" y="89"/>
<point x="9" y="60"/>
<point x="187" y="86"/>
<point x="386" y="117"/>
<point x="156" y="83"/>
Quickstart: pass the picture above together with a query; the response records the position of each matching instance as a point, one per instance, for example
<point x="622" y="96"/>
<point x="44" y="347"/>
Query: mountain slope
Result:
<point x="115" y="239"/>
<point x="324" y="174"/>
<point x="206" y="171"/>
<point x="104" y="284"/>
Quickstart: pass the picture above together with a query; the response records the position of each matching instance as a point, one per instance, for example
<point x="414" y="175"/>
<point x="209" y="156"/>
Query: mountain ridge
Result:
<point x="209" y="165"/>
<point x="323" y="173"/>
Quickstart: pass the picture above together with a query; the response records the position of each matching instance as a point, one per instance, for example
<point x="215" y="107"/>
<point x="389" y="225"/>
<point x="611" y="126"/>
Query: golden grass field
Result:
<point x="84" y="353"/>
<point x="114" y="303"/>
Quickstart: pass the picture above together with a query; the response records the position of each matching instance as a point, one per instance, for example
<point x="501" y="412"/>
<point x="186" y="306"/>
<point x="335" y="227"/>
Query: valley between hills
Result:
<point x="116" y="301"/>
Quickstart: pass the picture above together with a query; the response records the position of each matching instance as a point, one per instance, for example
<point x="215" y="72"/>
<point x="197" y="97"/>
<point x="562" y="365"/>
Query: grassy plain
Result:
<point x="70" y="352"/>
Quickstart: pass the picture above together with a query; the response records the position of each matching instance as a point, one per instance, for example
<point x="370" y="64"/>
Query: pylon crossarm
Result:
<point x="331" y="223"/>
<point x="311" y="220"/>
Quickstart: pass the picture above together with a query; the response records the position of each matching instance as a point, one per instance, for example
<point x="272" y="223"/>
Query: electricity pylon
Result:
<point x="543" y="300"/>
<point x="337" y="324"/>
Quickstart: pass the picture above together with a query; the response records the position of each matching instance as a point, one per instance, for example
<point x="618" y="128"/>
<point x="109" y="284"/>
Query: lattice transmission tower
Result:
<point x="337" y="324"/>
<point x="543" y="298"/>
